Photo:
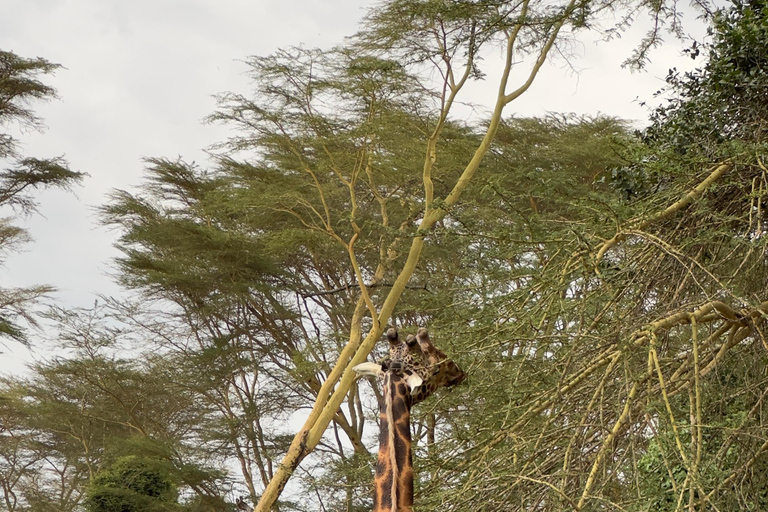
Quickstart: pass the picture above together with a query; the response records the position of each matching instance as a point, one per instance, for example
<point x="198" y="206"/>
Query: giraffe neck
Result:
<point x="393" y="489"/>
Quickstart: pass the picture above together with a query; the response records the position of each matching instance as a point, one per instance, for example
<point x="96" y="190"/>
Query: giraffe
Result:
<point x="415" y="369"/>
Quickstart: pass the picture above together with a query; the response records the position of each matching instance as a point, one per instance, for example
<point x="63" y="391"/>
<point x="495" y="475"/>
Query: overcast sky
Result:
<point x="139" y="77"/>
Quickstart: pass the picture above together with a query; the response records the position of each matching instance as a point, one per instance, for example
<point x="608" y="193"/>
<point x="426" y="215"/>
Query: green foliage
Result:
<point x="20" y="86"/>
<point x="178" y="253"/>
<point x="534" y="415"/>
<point x="725" y="100"/>
<point x="87" y="408"/>
<point x="34" y="173"/>
<point x="132" y="484"/>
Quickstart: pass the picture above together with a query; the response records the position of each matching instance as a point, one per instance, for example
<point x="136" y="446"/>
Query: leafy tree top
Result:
<point x="132" y="484"/>
<point x="19" y="87"/>
<point x="727" y="98"/>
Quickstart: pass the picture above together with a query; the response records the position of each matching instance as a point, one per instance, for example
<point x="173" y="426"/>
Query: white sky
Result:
<point x="140" y="76"/>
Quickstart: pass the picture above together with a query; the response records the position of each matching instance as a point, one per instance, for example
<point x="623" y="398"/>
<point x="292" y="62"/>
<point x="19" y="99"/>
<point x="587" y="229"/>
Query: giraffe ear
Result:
<point x="367" y="369"/>
<point x="414" y="381"/>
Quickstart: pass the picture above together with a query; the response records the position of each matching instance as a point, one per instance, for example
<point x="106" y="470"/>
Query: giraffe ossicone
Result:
<point x="414" y="370"/>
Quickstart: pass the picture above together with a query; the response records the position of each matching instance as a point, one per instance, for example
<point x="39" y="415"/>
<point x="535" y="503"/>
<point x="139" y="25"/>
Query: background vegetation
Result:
<point x="604" y="289"/>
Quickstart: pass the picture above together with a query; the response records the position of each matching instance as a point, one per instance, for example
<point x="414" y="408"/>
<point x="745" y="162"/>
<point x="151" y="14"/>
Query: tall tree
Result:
<point x="264" y="296"/>
<point x="19" y="86"/>
<point x="621" y="367"/>
<point x="439" y="41"/>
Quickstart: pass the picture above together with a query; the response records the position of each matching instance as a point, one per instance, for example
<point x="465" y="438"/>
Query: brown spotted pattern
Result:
<point x="395" y="462"/>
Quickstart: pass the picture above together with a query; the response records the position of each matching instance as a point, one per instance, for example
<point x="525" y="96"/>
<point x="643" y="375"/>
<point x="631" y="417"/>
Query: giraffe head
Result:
<point x="425" y="368"/>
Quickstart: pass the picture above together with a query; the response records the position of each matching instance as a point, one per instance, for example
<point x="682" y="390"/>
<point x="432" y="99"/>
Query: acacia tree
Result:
<point x="213" y="382"/>
<point x="264" y="298"/>
<point x="621" y="369"/>
<point x="20" y="86"/>
<point x="445" y="38"/>
<point x="19" y="176"/>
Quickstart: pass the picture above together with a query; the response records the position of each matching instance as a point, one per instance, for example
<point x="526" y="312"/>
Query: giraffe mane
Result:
<point x="391" y="440"/>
